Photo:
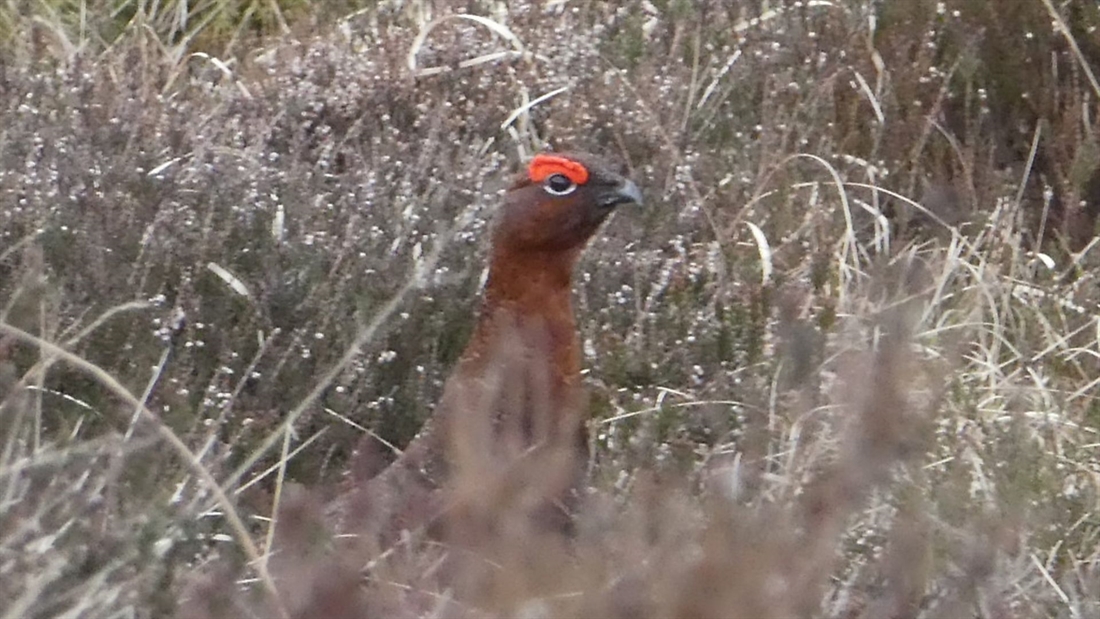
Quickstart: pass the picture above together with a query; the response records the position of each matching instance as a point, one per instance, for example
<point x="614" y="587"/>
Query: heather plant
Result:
<point x="844" y="363"/>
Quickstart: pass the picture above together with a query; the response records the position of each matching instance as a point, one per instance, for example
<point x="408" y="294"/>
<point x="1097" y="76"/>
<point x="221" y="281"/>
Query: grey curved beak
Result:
<point x="627" y="192"/>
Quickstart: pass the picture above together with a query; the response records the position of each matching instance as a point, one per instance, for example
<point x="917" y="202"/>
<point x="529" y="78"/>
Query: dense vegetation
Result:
<point x="845" y="362"/>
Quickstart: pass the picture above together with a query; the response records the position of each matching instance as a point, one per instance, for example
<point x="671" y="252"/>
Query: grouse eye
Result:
<point x="558" y="185"/>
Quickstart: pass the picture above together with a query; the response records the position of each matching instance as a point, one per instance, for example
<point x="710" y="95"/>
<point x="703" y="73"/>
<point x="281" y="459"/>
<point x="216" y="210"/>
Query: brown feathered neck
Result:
<point x="531" y="282"/>
<point x="529" y="294"/>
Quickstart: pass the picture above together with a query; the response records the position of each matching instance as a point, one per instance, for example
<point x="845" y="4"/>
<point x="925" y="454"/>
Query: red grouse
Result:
<point x="514" y="404"/>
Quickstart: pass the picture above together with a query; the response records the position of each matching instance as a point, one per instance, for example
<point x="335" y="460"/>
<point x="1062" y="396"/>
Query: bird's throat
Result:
<point x="532" y="282"/>
<point x="529" y="297"/>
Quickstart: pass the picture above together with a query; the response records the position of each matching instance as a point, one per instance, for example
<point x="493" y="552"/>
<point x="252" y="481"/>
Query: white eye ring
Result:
<point x="559" y="185"/>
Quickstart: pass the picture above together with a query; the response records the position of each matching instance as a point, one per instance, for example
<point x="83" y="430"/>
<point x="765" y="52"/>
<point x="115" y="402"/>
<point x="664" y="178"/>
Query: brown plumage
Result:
<point x="514" y="400"/>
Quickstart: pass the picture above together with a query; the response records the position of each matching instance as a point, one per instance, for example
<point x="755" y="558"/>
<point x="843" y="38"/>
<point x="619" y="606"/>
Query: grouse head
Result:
<point x="559" y="203"/>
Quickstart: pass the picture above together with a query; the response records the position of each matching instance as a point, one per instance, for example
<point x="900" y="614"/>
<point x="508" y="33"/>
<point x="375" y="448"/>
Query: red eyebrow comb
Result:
<point x="544" y="166"/>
